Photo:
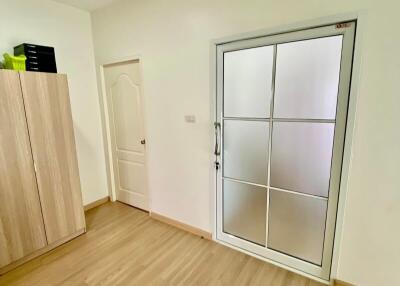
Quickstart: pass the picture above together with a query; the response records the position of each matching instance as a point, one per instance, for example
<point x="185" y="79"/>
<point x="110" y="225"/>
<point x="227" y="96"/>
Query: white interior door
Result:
<point x="282" y="108"/>
<point x="124" y="104"/>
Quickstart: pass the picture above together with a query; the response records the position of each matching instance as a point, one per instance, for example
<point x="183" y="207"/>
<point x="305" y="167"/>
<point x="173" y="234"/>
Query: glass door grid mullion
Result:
<point x="270" y="141"/>
<point x="304" y="120"/>
<point x="274" y="188"/>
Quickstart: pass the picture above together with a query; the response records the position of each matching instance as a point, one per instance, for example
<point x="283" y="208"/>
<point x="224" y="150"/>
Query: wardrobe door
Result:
<point x="50" y="127"/>
<point x="21" y="223"/>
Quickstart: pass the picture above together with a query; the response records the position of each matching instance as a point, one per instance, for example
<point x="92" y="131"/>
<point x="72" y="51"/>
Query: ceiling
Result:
<point x="88" y="5"/>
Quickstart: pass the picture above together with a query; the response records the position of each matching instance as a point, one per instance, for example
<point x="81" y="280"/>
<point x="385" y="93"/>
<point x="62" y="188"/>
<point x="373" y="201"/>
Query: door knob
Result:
<point x="143" y="141"/>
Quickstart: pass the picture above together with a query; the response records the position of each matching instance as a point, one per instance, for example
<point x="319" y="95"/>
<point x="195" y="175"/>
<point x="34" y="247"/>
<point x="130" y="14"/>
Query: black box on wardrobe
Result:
<point x="38" y="58"/>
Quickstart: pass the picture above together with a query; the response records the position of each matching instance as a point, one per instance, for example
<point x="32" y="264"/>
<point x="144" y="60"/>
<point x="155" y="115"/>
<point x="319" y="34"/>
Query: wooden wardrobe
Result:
<point x="40" y="195"/>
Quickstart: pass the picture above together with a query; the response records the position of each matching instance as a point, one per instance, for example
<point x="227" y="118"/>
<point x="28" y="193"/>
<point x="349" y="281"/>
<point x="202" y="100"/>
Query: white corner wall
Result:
<point x="69" y="31"/>
<point x="173" y="39"/>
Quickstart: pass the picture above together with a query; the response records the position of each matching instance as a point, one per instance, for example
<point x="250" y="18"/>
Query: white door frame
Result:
<point x="360" y="18"/>
<point x="106" y="125"/>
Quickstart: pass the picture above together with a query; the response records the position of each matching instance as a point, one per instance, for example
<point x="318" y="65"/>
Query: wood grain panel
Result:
<point x="124" y="246"/>
<point x="39" y="252"/>
<point x="21" y="223"/>
<point x="53" y="147"/>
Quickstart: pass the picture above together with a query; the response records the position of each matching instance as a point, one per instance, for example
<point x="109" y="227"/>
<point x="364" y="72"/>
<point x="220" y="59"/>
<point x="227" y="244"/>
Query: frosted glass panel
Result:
<point x="244" y="211"/>
<point x="297" y="225"/>
<point x="247" y="82"/>
<point x="301" y="156"/>
<point x="246" y="150"/>
<point x="307" y="78"/>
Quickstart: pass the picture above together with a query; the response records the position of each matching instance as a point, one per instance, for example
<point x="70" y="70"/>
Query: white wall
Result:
<point x="69" y="31"/>
<point x="173" y="38"/>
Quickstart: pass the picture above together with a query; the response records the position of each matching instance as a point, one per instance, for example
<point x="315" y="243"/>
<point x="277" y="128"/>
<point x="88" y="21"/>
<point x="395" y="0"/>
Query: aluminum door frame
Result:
<point x="348" y="31"/>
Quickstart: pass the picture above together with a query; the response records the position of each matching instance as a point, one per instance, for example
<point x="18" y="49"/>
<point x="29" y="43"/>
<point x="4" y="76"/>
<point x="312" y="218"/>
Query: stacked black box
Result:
<point x="38" y="58"/>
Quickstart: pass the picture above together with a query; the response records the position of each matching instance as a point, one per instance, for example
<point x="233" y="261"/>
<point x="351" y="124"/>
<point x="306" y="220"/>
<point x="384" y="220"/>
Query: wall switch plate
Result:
<point x="190" y="118"/>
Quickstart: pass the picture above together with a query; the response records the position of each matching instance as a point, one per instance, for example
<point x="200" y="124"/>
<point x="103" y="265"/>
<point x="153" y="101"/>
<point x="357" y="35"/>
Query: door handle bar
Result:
<point x="217" y="128"/>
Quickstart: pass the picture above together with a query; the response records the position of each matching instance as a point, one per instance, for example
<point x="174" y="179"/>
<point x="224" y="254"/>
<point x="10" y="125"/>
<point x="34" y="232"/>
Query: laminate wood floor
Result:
<point x="124" y="246"/>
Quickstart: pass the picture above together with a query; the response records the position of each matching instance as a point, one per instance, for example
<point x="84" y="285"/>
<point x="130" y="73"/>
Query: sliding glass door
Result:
<point x="281" y="116"/>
